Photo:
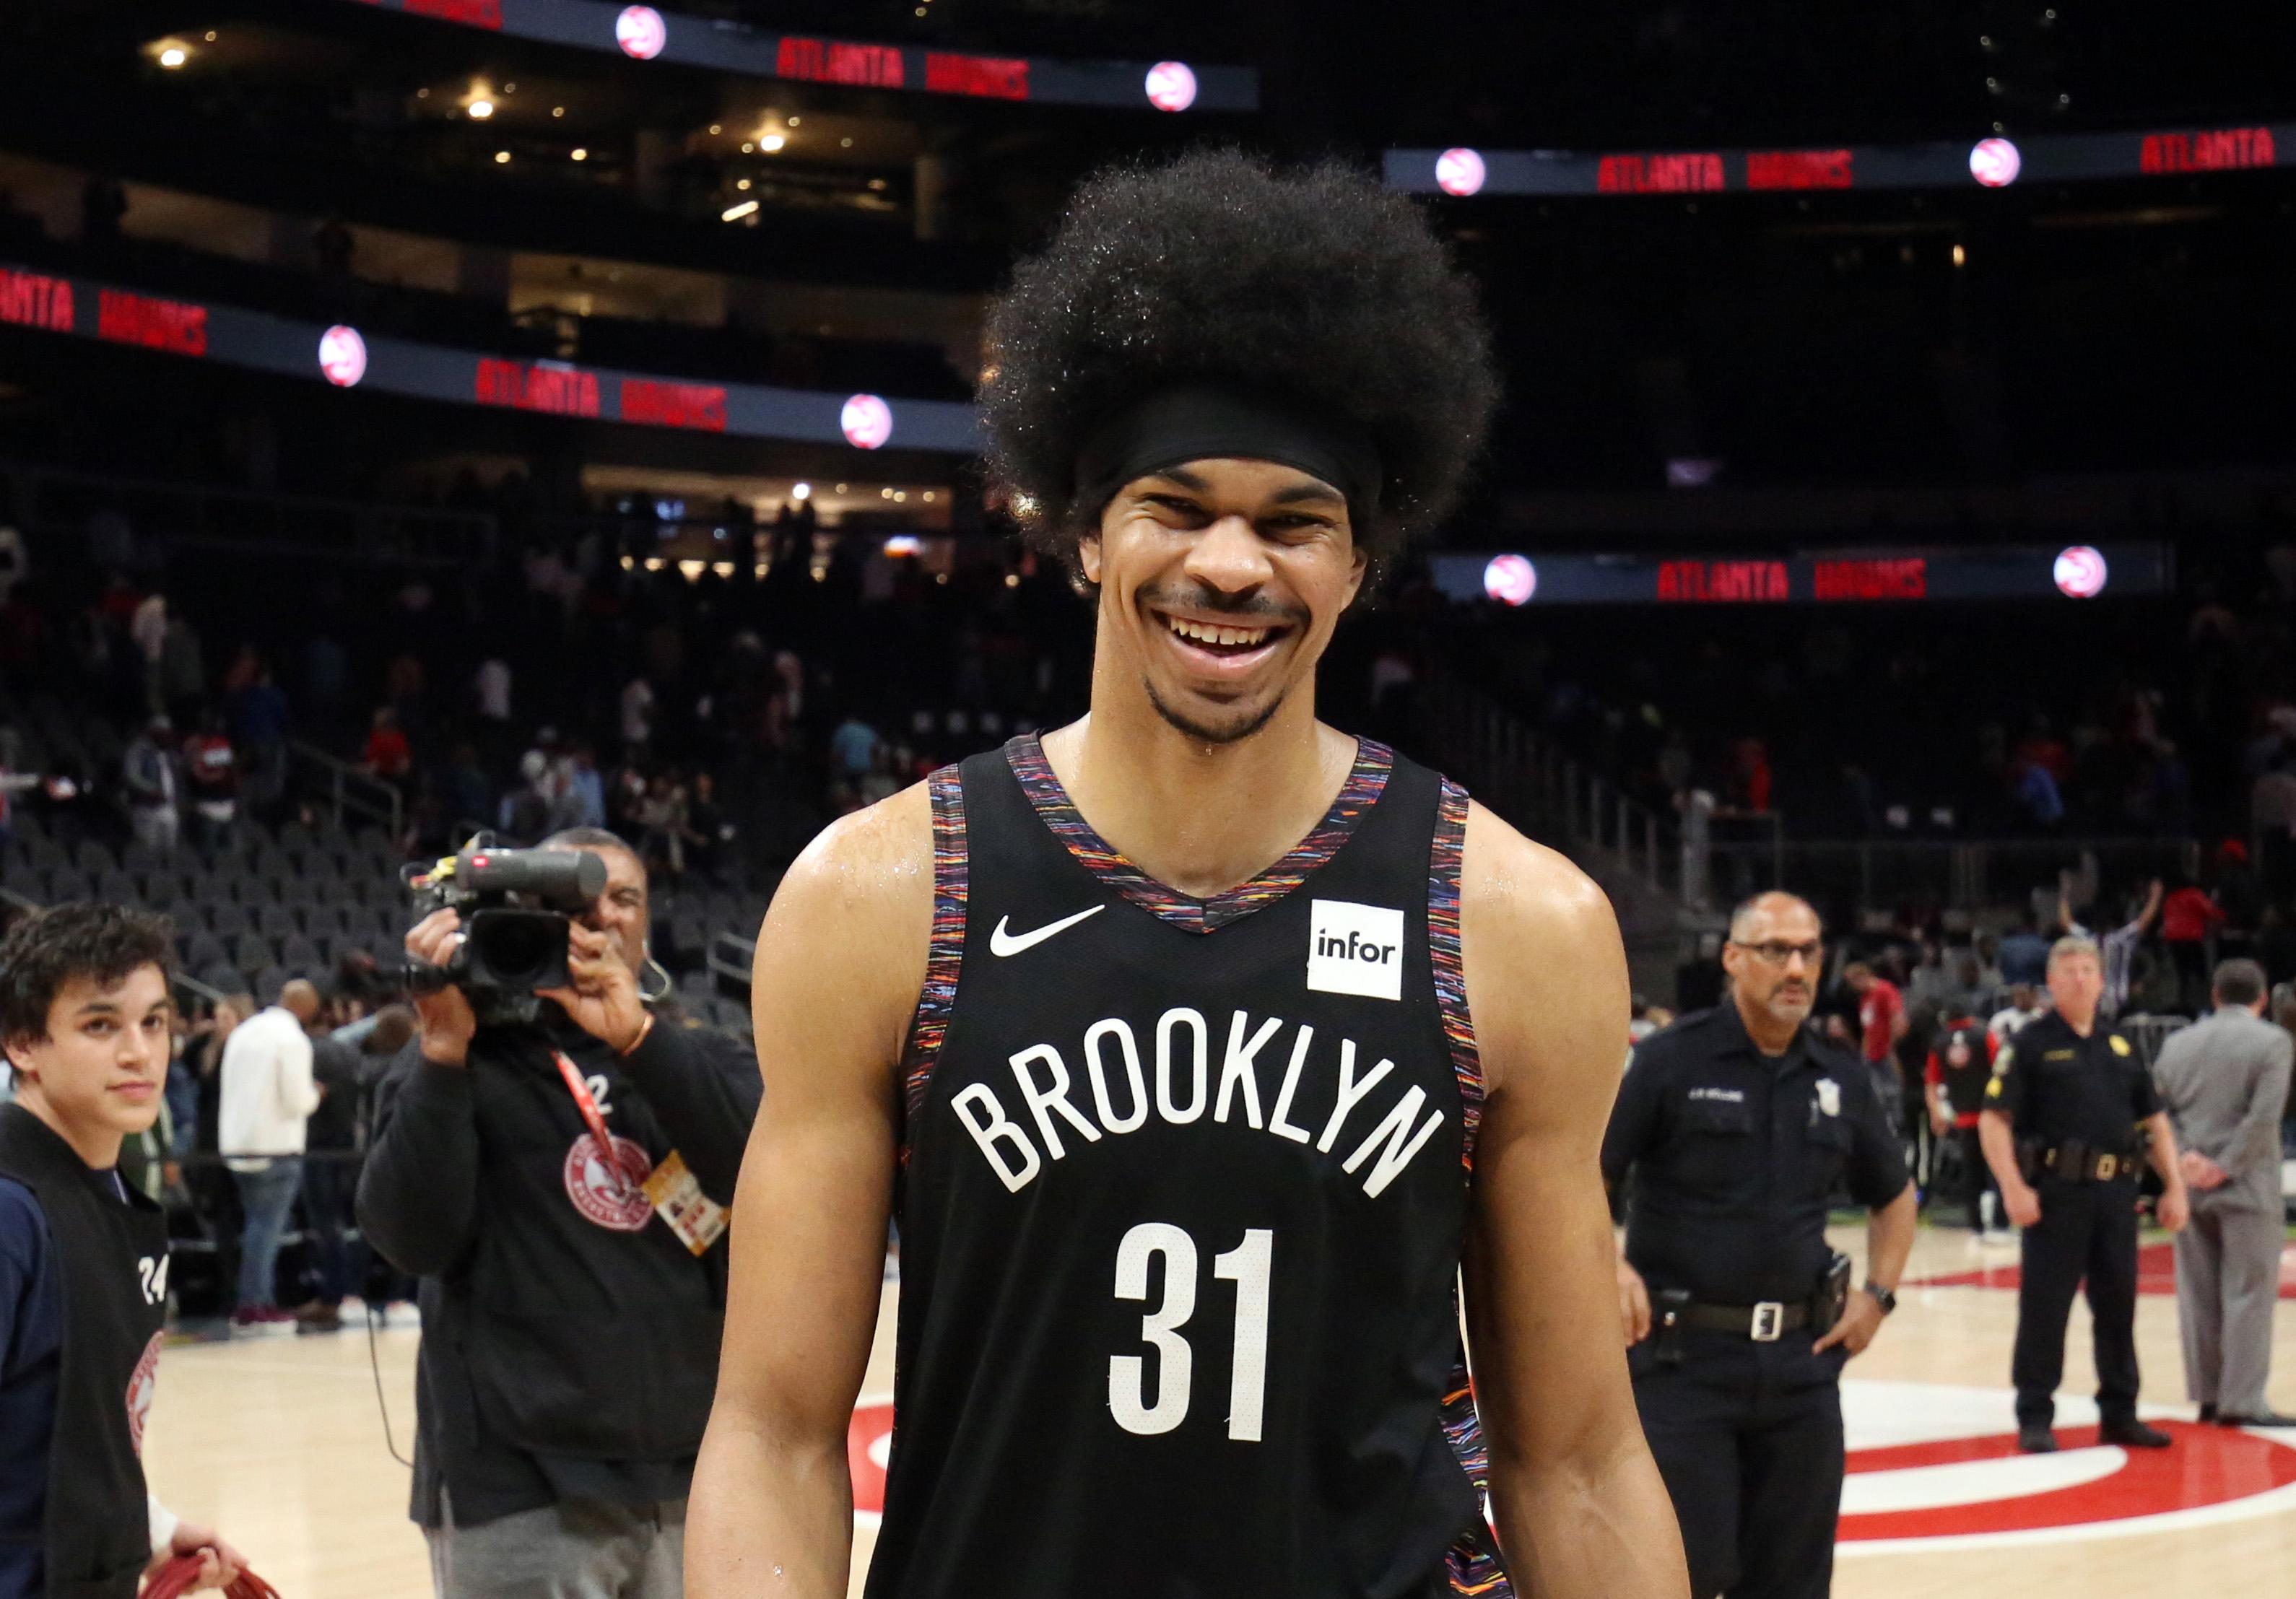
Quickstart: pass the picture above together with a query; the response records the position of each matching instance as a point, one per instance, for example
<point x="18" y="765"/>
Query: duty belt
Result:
<point x="2073" y="1161"/>
<point x="1763" y="1323"/>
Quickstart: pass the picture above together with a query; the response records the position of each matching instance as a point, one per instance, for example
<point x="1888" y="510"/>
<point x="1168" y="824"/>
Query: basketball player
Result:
<point x="1198" y="1043"/>
<point x="84" y="1017"/>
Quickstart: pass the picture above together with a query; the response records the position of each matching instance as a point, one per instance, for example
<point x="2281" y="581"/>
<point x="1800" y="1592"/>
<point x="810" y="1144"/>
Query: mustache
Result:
<point x="1198" y="596"/>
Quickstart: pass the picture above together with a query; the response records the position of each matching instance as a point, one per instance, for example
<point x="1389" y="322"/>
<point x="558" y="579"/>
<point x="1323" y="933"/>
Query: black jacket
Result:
<point x="569" y="1342"/>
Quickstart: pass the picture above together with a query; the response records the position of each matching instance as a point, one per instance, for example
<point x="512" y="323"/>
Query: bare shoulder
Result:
<point x="1546" y="973"/>
<point x="1525" y="898"/>
<point x="853" y="918"/>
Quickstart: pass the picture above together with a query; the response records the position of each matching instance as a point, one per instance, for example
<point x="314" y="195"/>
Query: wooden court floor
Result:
<point x="279" y="1442"/>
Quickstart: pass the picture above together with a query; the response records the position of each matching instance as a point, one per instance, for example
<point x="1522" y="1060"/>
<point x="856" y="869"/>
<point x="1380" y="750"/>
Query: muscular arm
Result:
<point x="840" y="964"/>
<point x="1998" y="1137"/>
<point x="1581" y="1509"/>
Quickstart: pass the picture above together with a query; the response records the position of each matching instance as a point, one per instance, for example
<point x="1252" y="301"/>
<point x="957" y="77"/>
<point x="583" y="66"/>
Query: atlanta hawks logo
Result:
<point x="141" y="1387"/>
<point x="609" y="1195"/>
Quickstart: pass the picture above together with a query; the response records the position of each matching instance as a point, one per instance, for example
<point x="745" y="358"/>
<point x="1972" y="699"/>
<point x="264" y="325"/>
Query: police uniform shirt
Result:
<point x="2054" y="1084"/>
<point x="1737" y="1155"/>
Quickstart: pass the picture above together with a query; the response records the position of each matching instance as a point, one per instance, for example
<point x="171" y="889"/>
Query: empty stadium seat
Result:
<point x="227" y="920"/>
<point x="277" y="922"/>
<point x="93" y="856"/>
<point x="202" y="950"/>
<point x="252" y="952"/>
<point x="303" y="957"/>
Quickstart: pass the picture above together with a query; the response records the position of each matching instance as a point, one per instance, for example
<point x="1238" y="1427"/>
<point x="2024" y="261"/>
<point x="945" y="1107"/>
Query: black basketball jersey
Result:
<point x="1183" y="1188"/>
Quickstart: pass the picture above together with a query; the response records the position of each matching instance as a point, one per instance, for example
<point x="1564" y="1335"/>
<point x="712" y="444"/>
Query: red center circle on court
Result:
<point x="2206" y="1466"/>
<point x="868" y="1444"/>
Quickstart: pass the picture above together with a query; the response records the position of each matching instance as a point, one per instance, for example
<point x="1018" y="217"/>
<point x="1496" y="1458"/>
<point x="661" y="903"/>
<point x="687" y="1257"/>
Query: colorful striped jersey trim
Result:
<point x="1444" y="950"/>
<point x="1473" y="1563"/>
<point x="944" y="958"/>
<point x="1359" y="794"/>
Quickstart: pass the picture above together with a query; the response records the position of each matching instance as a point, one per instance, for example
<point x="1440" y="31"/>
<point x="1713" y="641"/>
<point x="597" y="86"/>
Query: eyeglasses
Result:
<point x="1777" y="953"/>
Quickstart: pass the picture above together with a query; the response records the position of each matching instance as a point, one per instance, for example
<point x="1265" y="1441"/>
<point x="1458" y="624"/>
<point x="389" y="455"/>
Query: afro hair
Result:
<point x="1315" y="285"/>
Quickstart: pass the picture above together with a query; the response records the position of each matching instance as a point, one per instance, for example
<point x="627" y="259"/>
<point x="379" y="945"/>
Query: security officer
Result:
<point x="2061" y="1125"/>
<point x="1738" y="1316"/>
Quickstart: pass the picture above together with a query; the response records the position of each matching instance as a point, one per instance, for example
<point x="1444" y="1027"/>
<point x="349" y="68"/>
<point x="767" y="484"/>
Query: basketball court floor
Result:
<point x="279" y="1442"/>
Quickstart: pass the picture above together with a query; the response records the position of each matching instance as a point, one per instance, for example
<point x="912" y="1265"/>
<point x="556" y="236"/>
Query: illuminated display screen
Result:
<point x="646" y="33"/>
<point x="1830" y="578"/>
<point x="1993" y="163"/>
<point x="343" y="356"/>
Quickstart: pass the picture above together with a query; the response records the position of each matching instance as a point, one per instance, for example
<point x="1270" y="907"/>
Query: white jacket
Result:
<point x="267" y="1091"/>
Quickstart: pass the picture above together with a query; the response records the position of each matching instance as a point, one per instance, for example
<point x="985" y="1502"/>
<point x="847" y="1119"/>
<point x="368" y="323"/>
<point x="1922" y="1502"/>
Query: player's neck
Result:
<point x="98" y="1147"/>
<point x="1201" y="819"/>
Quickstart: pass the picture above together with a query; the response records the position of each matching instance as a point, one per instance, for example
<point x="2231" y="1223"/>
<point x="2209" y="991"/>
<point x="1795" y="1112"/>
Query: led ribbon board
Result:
<point x="645" y="33"/>
<point x="342" y="356"/>
<point x="1992" y="163"/>
<point x="2078" y="571"/>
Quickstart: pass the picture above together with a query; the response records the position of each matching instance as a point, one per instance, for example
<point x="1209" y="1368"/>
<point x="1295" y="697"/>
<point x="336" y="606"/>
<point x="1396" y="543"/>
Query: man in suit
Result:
<point x="2224" y="1081"/>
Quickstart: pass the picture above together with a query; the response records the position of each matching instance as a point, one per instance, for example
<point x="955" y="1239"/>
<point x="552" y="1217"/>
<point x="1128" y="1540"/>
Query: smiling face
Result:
<point x="1220" y="583"/>
<point x="96" y="1074"/>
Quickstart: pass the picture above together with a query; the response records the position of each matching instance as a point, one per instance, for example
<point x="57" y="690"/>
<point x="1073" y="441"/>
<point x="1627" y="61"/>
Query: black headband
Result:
<point x="1203" y="422"/>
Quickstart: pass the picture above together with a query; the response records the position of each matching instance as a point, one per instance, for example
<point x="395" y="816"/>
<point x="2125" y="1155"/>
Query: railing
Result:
<point x="730" y="956"/>
<point x="1964" y="874"/>
<point x="1538" y="788"/>
<point x="351" y="791"/>
<point x="249" y="520"/>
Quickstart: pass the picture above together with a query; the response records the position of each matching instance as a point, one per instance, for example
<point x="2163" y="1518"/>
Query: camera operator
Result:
<point x="571" y="1316"/>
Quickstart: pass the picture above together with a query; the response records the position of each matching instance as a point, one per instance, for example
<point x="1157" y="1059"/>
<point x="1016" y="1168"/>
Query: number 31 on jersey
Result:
<point x="1247" y="1266"/>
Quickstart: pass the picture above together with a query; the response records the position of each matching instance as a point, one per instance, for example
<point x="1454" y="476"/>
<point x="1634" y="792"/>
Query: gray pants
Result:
<point x="2228" y="1285"/>
<point x="583" y="1550"/>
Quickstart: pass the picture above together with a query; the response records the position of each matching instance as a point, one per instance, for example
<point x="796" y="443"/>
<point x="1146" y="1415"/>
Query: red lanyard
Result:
<point x="580" y="1089"/>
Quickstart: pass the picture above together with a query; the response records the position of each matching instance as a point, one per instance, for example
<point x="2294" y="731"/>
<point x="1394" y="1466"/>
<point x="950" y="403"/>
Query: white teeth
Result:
<point x="1246" y="637"/>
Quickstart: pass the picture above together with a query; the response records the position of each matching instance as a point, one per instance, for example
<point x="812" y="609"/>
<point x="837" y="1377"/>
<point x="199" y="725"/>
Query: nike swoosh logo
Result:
<point x="1001" y="942"/>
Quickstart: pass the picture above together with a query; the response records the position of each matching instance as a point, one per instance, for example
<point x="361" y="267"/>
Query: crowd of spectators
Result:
<point x="2164" y="717"/>
<point x="716" y="720"/>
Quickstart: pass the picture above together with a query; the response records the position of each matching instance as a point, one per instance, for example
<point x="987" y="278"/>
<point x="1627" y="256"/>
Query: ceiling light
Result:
<point x="800" y="491"/>
<point x="771" y="143"/>
<point x="929" y="493"/>
<point x="1011" y="579"/>
<point x="900" y="496"/>
<point x="482" y="108"/>
<point x="748" y="148"/>
<point x="793" y="121"/>
<point x="742" y="184"/>
<point x="581" y="154"/>
<point x="714" y="129"/>
<point x="735" y="213"/>
<point x="841" y="488"/>
<point x="844" y="143"/>
<point x="422" y="94"/>
<point x="884" y="494"/>
<point x="557" y="111"/>
<point x="877" y="184"/>
<point x="210" y="34"/>
<point x="510" y="88"/>
<point x="174" y="56"/>
<point x="502" y="157"/>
